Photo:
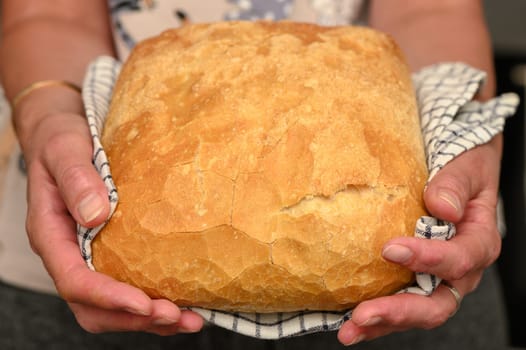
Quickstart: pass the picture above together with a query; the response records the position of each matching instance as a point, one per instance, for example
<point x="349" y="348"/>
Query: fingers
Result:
<point x="98" y="302"/>
<point x="163" y="320"/>
<point x="101" y="304"/>
<point x="67" y="155"/>
<point x="464" y="192"/>
<point x="470" y="175"/>
<point x="475" y="247"/>
<point x="378" y="317"/>
<point x="52" y="236"/>
<point x="447" y="194"/>
<point x="63" y="189"/>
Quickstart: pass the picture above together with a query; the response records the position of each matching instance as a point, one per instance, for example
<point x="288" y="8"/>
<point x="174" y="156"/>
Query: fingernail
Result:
<point x="371" y="321"/>
<point x="164" y="321"/>
<point x="90" y="207"/>
<point x="356" y="340"/>
<point x="397" y="253"/>
<point x="188" y="330"/>
<point x="450" y="199"/>
<point x="137" y="311"/>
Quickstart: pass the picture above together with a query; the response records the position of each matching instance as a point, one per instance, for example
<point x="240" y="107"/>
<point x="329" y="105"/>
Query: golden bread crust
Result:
<point x="262" y="166"/>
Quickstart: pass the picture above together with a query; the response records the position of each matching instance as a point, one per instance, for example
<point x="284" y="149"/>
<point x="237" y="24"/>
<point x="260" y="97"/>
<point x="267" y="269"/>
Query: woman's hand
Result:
<point x="464" y="192"/>
<point x="64" y="188"/>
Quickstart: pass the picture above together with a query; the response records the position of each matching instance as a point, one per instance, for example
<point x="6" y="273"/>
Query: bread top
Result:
<point x="261" y="166"/>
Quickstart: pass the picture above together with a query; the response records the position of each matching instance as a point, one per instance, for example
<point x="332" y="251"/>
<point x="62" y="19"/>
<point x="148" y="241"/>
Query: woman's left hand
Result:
<point x="464" y="192"/>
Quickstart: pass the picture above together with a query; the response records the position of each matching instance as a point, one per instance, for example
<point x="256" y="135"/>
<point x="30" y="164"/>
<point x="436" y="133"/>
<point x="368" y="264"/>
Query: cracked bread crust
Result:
<point x="262" y="166"/>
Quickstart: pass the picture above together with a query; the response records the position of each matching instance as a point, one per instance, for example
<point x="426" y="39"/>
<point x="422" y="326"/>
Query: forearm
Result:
<point x="431" y="31"/>
<point x="40" y="42"/>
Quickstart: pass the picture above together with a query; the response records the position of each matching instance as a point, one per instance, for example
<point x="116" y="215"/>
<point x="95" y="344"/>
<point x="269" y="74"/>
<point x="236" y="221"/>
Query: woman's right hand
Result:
<point x="64" y="188"/>
<point x="57" y="40"/>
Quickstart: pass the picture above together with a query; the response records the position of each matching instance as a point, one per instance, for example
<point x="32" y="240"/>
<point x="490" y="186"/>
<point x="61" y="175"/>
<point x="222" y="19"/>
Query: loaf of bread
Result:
<point x="262" y="166"/>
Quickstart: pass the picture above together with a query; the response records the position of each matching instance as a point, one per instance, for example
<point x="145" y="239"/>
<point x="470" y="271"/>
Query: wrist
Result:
<point x="39" y="104"/>
<point x="28" y="90"/>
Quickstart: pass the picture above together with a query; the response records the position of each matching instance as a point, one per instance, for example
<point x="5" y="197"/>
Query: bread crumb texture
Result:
<point x="262" y="166"/>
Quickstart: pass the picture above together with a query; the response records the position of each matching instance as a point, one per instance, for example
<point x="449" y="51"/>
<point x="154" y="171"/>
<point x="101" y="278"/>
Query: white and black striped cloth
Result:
<point x="451" y="124"/>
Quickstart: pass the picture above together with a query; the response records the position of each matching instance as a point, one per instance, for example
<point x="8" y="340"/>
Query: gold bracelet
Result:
<point x="41" y="84"/>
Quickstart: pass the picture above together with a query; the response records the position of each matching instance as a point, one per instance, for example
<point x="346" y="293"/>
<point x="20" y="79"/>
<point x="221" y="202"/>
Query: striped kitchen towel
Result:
<point x="452" y="123"/>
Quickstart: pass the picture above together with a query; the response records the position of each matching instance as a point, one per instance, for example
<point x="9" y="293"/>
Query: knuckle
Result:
<point x="70" y="174"/>
<point x="495" y="249"/>
<point x="33" y="228"/>
<point x="57" y="142"/>
<point x="84" y="319"/>
<point x="64" y="289"/>
<point x="30" y="229"/>
<point x="461" y="268"/>
<point x="431" y="258"/>
<point x="68" y="285"/>
<point x="437" y="317"/>
<point x="88" y="325"/>
<point x="434" y="323"/>
<point x="66" y="169"/>
<point x="398" y="319"/>
<point x="451" y="182"/>
<point x="34" y="247"/>
<point x="475" y="284"/>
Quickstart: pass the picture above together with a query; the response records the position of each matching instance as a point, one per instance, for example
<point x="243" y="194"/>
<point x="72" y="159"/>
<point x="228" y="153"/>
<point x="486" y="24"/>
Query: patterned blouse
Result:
<point x="134" y="20"/>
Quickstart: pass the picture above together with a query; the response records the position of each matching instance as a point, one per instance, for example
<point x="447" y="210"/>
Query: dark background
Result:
<point x="507" y="23"/>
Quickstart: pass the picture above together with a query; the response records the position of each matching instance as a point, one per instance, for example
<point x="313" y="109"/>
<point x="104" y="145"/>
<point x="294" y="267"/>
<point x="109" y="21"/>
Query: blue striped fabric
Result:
<point x="452" y="123"/>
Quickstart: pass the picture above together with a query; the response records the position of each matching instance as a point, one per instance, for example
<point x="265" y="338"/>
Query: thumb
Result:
<point x="447" y="194"/>
<point x="466" y="177"/>
<point x="68" y="158"/>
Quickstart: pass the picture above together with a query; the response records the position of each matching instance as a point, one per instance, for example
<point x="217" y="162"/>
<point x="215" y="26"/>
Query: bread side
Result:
<point x="262" y="166"/>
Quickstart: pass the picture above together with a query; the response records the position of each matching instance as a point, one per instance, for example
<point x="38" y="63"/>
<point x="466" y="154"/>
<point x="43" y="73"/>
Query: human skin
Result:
<point x="57" y="41"/>
<point x="464" y="192"/>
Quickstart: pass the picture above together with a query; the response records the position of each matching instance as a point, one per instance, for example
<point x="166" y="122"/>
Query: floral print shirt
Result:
<point x="135" y="20"/>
